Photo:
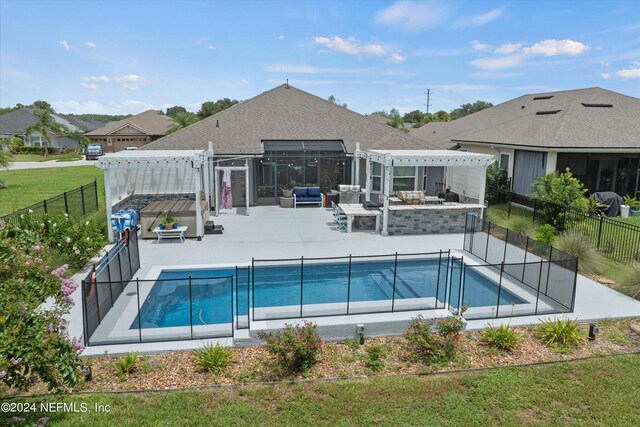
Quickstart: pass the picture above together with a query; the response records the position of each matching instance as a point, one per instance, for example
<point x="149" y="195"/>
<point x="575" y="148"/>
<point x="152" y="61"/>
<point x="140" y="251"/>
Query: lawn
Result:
<point x="40" y="158"/>
<point x="29" y="186"/>
<point x="591" y="392"/>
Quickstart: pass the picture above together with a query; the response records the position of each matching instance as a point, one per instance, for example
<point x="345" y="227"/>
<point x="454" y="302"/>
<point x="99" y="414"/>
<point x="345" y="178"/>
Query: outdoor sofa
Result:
<point x="307" y="195"/>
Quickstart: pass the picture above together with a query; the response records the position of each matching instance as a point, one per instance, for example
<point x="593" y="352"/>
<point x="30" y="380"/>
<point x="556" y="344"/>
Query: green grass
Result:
<point x="594" y="392"/>
<point x="39" y="158"/>
<point x="29" y="186"/>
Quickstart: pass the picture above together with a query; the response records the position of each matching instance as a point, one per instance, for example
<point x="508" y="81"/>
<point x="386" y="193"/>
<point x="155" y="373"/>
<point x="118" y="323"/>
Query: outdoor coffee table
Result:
<point x="174" y="233"/>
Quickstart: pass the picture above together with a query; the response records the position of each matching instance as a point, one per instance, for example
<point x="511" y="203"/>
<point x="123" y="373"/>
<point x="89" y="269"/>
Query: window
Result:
<point x="37" y="141"/>
<point x="504" y="161"/>
<point x="376" y="177"/>
<point x="404" y="178"/>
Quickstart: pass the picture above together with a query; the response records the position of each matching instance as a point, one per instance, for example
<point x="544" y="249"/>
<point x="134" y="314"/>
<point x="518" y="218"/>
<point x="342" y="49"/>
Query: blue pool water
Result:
<point x="212" y="293"/>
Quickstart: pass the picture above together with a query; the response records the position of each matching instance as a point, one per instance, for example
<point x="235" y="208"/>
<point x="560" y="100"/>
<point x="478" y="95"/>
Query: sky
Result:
<point x="124" y="57"/>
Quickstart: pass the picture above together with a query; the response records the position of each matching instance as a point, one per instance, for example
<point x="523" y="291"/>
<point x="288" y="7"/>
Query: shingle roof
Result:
<point x="285" y="113"/>
<point x="15" y="122"/>
<point x="85" y="125"/>
<point x="574" y="125"/>
<point x="149" y="121"/>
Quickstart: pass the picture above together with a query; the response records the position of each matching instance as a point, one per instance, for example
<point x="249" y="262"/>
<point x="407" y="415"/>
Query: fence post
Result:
<point x="301" y="281"/>
<point x="66" y="203"/>
<point x="535" y="208"/>
<point x="486" y="249"/>
<point x="546" y="286"/>
<point x="237" y="302"/>
<point x="460" y="285"/>
<point x="139" y="314"/>
<point x="395" y="273"/>
<point x="564" y="220"/>
<point x="539" y="284"/>
<point x="191" y="311"/>
<point x="349" y="285"/>
<point x="599" y="233"/>
<point x="95" y="190"/>
<point x="526" y="250"/>
<point x="253" y="291"/>
<point x="84" y="209"/>
<point x="44" y="204"/>
<point x="499" y="289"/>
<point x="233" y="332"/>
<point x="248" y="275"/>
<point x="438" y="281"/>
<point x="509" y="214"/>
<point x="506" y="239"/>
<point x="85" y="328"/>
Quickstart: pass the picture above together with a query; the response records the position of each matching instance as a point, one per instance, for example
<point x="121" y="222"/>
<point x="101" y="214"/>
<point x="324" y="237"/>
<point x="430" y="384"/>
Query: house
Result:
<point x="16" y="122"/>
<point x="288" y="137"/>
<point x="134" y="131"/>
<point x="593" y="132"/>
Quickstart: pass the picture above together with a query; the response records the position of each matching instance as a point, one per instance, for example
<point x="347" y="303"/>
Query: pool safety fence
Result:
<point x="547" y="271"/>
<point x="80" y="201"/>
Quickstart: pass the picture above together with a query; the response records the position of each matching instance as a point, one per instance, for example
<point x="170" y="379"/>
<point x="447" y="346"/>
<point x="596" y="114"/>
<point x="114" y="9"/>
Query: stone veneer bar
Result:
<point x="430" y="219"/>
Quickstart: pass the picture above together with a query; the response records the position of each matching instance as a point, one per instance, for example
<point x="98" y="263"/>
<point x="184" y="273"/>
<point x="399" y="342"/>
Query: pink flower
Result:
<point x="79" y="347"/>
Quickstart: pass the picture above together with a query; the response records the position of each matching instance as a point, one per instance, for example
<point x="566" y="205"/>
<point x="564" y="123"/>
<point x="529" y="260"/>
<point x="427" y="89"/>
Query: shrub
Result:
<point x="34" y="150"/>
<point x="127" y="364"/>
<point x="546" y="234"/>
<point x="561" y="335"/>
<point x="352" y="343"/>
<point x="433" y="347"/>
<point x="296" y="348"/>
<point x="373" y="358"/>
<point x="629" y="280"/>
<point x="561" y="189"/>
<point x="497" y="176"/>
<point x="520" y="224"/>
<point x="213" y="358"/>
<point x="502" y="337"/>
<point x="577" y="244"/>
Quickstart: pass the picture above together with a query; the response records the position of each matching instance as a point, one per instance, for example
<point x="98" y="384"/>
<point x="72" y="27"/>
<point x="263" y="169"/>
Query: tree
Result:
<point x="210" y="108"/>
<point x="561" y="189"/>
<point x="394" y="114"/>
<point x="415" y="116"/>
<point x="182" y="120"/>
<point x="42" y="105"/>
<point x="469" y="108"/>
<point x="46" y="126"/>
<point x="172" y="111"/>
<point x="5" y="157"/>
<point x="384" y="113"/>
<point x="79" y="137"/>
<point x="332" y="99"/>
<point x="441" y="116"/>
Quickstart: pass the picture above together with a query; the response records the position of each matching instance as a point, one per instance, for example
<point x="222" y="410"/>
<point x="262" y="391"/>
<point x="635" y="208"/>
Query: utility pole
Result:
<point x="427" y="99"/>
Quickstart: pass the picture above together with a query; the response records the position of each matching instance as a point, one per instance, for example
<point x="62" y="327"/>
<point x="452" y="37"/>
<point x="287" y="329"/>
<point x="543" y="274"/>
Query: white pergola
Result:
<point x="466" y="172"/>
<point x="156" y="172"/>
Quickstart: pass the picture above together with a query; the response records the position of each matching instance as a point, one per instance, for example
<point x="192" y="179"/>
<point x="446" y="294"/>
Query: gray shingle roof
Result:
<point x="149" y="121"/>
<point x="285" y="113"/>
<point x="15" y="122"/>
<point x="575" y="125"/>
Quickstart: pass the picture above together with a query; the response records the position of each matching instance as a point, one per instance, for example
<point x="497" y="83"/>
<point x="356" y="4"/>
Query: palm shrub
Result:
<point x="502" y="337"/>
<point x="546" y="234"/>
<point x="629" y="280"/>
<point x="559" y="334"/>
<point x="127" y="364"/>
<point x="374" y="354"/>
<point x="296" y="348"/>
<point x="213" y="358"/>
<point x="520" y="224"/>
<point x="575" y="243"/>
<point x="562" y="189"/>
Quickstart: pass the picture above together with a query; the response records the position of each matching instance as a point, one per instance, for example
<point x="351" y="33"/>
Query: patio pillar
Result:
<point x="368" y="178"/>
<point x="482" y="188"/>
<point x="552" y="160"/>
<point x="247" y="184"/>
<point x="215" y="190"/>
<point x="386" y="191"/>
<point x="357" y="165"/>
<point x="196" y="178"/>
<point x="207" y="184"/>
<point x="107" y="196"/>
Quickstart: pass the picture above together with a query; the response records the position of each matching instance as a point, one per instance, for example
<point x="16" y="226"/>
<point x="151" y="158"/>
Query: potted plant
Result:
<point x="168" y="221"/>
<point x="626" y="206"/>
<point x="287" y="190"/>
<point x="635" y="208"/>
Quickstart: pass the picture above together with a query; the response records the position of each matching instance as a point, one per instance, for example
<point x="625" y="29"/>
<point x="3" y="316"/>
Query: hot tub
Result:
<point x="183" y="210"/>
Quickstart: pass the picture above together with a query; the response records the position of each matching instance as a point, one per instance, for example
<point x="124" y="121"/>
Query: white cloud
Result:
<point x="103" y="79"/>
<point x="280" y="37"/>
<point x="462" y="87"/>
<point x="480" y="47"/>
<point x="632" y="73"/>
<point x="493" y="75"/>
<point x="129" y="81"/>
<point x="554" y="47"/>
<point x="396" y="58"/>
<point x="508" y="48"/>
<point x="478" y="20"/>
<point x="89" y="85"/>
<point x="606" y="76"/>
<point x="293" y="69"/>
<point x="90" y="44"/>
<point x="65" y="45"/>
<point x="94" y="107"/>
<point x="350" y="46"/>
<point x="498" y="62"/>
<point x="211" y="47"/>
<point x="412" y="15"/>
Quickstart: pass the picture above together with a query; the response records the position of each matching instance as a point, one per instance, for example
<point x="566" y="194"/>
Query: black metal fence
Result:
<point x="548" y="274"/>
<point x="615" y="239"/>
<point x="80" y="201"/>
<point x="106" y="281"/>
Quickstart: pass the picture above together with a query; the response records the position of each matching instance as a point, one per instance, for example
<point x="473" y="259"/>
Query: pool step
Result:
<point x="384" y="280"/>
<point x="403" y="290"/>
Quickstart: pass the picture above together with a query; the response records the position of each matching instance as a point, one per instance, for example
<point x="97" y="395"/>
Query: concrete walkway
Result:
<point x="51" y="164"/>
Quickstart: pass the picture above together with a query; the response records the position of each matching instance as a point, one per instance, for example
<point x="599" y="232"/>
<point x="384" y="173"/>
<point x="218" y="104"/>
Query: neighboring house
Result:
<point x="134" y="131"/>
<point x="16" y="122"/>
<point x="287" y="136"/>
<point x="593" y="132"/>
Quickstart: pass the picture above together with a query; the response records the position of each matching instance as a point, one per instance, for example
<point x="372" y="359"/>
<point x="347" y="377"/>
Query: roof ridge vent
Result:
<point x="596" y="105"/>
<point x="547" y="112"/>
<point x="537" y="98"/>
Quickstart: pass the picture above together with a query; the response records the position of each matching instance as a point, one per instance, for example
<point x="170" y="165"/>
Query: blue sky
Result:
<point x="127" y="56"/>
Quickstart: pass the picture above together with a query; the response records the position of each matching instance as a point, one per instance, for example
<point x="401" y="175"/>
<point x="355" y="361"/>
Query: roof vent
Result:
<point x="544" y="113"/>
<point x="537" y="98"/>
<point x="586" y="104"/>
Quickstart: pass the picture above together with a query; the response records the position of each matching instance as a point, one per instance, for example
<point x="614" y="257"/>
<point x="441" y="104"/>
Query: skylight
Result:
<point x="585" y="104"/>
<point x="542" y="97"/>
<point x="544" y="113"/>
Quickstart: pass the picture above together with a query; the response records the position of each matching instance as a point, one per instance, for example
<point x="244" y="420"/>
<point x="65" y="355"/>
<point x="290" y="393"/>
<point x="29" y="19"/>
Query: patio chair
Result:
<point x="340" y="217"/>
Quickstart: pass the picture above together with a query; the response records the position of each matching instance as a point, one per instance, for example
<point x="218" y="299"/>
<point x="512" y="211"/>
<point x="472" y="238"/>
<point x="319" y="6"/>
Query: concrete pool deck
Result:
<point x="274" y="232"/>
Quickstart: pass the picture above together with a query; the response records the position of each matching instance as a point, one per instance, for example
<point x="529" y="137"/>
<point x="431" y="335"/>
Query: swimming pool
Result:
<point x="208" y="300"/>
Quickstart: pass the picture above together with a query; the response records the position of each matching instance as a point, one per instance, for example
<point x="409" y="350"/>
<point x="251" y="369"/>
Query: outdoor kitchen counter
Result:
<point x="429" y="219"/>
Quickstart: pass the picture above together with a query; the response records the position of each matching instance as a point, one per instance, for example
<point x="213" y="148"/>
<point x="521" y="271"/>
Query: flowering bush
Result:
<point x="76" y="239"/>
<point x="295" y="347"/>
<point x="33" y="340"/>
<point x="435" y="340"/>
